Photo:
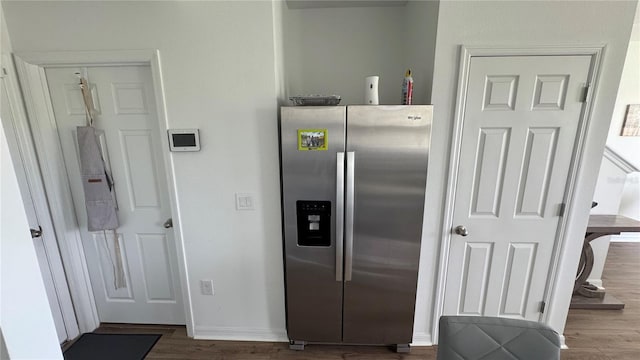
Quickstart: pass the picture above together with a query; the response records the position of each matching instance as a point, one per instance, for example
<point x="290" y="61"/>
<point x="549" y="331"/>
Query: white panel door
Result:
<point x="519" y="130"/>
<point x="127" y="129"/>
<point x="45" y="244"/>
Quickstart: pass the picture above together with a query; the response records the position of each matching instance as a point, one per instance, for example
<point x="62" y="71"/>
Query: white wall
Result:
<point x="421" y="20"/>
<point x="332" y="51"/>
<point x="628" y="93"/>
<point x="220" y="72"/>
<point x="225" y="84"/>
<point x="630" y="202"/>
<point x="628" y="147"/>
<point x="218" y="67"/>
<point x="608" y="194"/>
<point x="523" y="24"/>
<point x="24" y="309"/>
<point x="279" y="9"/>
<point x="617" y="189"/>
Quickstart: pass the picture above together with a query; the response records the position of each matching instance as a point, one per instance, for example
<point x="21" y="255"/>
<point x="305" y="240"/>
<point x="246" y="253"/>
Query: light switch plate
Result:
<point x="206" y="287"/>
<point x="245" y="201"/>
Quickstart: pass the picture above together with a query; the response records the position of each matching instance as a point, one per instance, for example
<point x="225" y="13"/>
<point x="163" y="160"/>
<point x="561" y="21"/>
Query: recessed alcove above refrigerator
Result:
<point x="331" y="50"/>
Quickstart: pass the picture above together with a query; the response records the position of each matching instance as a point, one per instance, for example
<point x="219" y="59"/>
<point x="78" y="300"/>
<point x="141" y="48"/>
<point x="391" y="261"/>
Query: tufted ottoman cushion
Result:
<point x="492" y="338"/>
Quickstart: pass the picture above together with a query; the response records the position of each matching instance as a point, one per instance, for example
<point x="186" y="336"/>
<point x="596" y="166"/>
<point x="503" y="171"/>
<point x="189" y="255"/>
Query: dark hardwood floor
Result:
<point x="610" y="334"/>
<point x="590" y="334"/>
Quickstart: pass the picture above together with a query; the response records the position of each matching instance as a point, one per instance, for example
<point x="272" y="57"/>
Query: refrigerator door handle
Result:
<point x="348" y="260"/>
<point x="339" y="214"/>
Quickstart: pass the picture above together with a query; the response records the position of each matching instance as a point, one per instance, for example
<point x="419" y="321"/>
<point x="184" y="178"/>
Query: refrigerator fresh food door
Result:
<point x="312" y="165"/>
<point x="387" y="151"/>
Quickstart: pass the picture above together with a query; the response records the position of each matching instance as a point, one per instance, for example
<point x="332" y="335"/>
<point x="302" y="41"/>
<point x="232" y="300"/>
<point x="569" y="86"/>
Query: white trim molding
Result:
<point x="31" y="67"/>
<point x="239" y="334"/>
<point x="451" y="181"/>
<point x="626" y="237"/>
<point x="161" y="108"/>
<point x="563" y="344"/>
<point x="619" y="161"/>
<point x="88" y="58"/>
<point x="422" y="339"/>
<point x="596" y="282"/>
<point x="466" y="53"/>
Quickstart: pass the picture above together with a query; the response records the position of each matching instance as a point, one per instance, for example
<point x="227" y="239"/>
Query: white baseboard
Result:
<point x="626" y="237"/>
<point x="239" y="334"/>
<point x="563" y="344"/>
<point x="596" y="282"/>
<point x="245" y="334"/>
<point x="422" y="339"/>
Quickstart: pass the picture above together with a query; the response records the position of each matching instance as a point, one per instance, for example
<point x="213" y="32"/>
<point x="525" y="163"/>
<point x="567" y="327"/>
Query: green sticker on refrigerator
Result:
<point x="312" y="139"/>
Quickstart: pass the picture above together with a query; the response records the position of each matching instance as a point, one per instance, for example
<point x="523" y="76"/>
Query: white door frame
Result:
<point x="39" y="108"/>
<point x="573" y="182"/>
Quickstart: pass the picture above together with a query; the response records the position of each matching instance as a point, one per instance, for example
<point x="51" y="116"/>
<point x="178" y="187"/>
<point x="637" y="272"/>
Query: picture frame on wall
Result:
<point x="631" y="125"/>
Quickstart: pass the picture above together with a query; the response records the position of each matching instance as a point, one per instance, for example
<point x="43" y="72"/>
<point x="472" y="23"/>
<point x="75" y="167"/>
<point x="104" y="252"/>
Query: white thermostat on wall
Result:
<point x="184" y="140"/>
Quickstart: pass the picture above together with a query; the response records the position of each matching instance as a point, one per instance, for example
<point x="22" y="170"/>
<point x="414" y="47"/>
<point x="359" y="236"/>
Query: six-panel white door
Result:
<point x="130" y="138"/>
<point x="519" y="132"/>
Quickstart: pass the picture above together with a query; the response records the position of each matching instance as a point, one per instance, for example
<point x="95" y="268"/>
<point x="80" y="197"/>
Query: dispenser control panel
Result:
<point x="314" y="223"/>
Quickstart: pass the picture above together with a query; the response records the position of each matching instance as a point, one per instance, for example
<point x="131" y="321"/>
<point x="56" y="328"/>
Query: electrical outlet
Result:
<point x="206" y="287"/>
<point x="244" y="201"/>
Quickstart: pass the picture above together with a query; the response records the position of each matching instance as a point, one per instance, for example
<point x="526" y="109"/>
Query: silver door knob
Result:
<point x="36" y="233"/>
<point x="168" y="224"/>
<point x="461" y="230"/>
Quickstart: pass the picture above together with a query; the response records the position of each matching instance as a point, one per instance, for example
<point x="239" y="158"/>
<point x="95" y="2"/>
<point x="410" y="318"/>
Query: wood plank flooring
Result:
<point x="590" y="334"/>
<point x="610" y="334"/>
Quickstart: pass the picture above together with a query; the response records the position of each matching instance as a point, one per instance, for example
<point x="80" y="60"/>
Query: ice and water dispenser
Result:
<point x="314" y="223"/>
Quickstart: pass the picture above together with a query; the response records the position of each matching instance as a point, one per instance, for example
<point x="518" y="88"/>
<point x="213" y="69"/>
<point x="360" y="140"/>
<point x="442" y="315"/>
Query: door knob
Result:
<point x="461" y="230"/>
<point x="36" y="233"/>
<point x="168" y="224"/>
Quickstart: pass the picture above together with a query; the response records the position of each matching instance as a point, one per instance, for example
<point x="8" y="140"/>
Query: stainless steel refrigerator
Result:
<point x="353" y="192"/>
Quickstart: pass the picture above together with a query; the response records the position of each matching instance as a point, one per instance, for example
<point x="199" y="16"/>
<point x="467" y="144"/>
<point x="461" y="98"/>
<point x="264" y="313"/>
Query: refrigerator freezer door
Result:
<point x="391" y="150"/>
<point x="311" y="140"/>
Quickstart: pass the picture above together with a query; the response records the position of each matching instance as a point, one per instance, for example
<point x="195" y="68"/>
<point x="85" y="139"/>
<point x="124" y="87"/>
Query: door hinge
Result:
<point x="585" y="93"/>
<point x="561" y="209"/>
<point x="543" y="304"/>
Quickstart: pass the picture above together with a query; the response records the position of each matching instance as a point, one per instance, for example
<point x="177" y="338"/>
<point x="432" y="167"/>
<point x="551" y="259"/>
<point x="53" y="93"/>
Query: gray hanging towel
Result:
<point x="98" y="187"/>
